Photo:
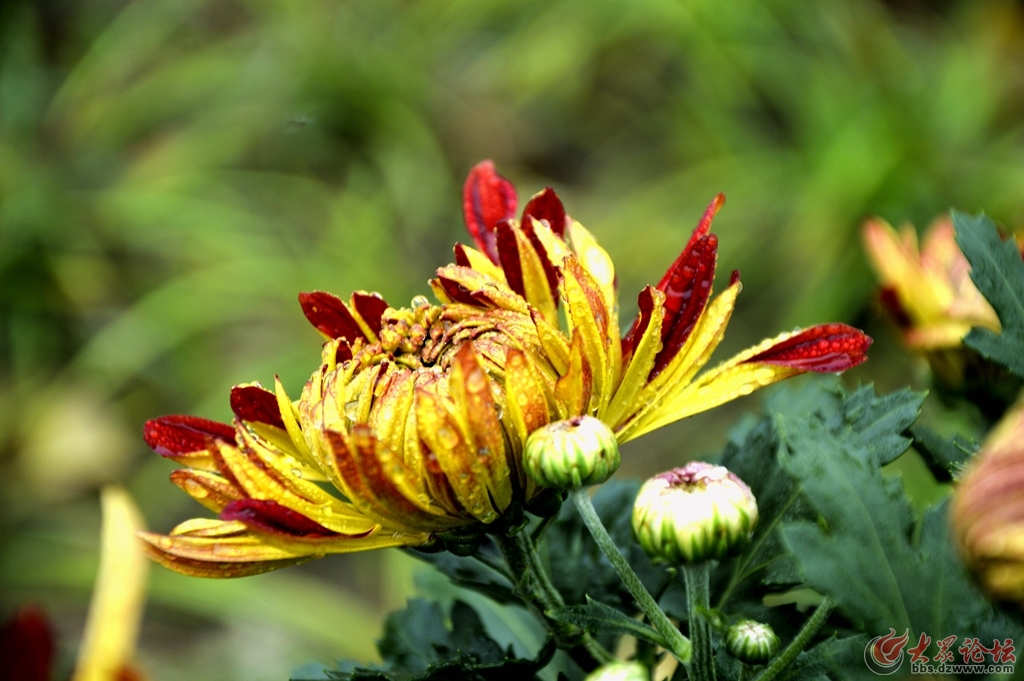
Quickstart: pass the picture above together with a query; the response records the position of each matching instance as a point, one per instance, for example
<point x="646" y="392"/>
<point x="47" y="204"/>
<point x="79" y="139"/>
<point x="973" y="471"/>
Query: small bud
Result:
<point x="751" y="642"/>
<point x="695" y="513"/>
<point x="620" y="671"/>
<point x="573" y="453"/>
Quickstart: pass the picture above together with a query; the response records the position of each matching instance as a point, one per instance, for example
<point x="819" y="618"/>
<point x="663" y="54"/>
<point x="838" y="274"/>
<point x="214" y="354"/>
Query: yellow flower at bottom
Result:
<point x="418" y="416"/>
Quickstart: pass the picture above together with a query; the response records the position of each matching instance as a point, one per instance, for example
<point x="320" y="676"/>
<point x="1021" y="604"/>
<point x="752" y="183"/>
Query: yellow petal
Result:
<point x="291" y="423"/>
<point x="474" y="402"/>
<point x="535" y="279"/>
<point x="656" y="402"/>
<point x="448" y="442"/>
<point x="588" y="315"/>
<point x="595" y="260"/>
<point x="115" y="611"/>
<point x="481" y="263"/>
<point x="314" y="503"/>
<point x="573" y="390"/>
<point x="623" y="404"/>
<point x="556" y="349"/>
<point x="209" y="489"/>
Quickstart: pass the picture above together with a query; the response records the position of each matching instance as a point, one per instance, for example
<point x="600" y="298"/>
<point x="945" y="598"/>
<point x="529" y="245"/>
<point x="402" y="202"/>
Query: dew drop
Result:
<point x="195" y="490"/>
<point x="448" y="437"/>
<point x="352" y="409"/>
<point x="296" y="473"/>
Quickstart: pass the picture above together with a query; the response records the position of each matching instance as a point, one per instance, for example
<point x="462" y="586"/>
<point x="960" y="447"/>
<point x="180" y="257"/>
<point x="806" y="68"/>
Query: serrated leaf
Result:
<point x="881" y="420"/>
<point x="828" y="655"/>
<point x="472" y="574"/>
<point x="944" y="458"/>
<point x="998" y="272"/>
<point x="419" y="646"/>
<point x="862" y="554"/>
<point x="598" y="617"/>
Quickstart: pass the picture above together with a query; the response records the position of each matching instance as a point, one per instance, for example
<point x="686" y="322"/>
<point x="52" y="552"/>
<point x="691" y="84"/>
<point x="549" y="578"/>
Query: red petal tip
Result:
<point x="330" y="316"/>
<point x="822" y="348"/>
<point x="176" y="434"/>
<point x="487" y="199"/>
<point x="734" y="277"/>
<point x="545" y="205"/>
<point x="254" y="404"/>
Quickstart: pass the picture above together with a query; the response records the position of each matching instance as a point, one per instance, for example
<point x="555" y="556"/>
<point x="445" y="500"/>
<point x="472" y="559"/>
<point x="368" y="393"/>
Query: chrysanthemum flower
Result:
<point x="418" y="415"/>
<point x="928" y="291"/>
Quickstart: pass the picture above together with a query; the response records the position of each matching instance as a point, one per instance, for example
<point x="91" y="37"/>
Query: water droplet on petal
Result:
<point x="352" y="410"/>
<point x="296" y="473"/>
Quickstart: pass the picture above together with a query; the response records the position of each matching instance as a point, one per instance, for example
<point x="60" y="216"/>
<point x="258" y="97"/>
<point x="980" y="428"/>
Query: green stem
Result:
<point x="698" y="597"/>
<point x="534" y="588"/>
<point x="677" y="644"/>
<point x="797" y="645"/>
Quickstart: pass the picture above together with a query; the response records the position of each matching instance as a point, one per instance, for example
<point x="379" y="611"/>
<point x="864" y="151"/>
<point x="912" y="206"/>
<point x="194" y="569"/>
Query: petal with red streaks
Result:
<point x="255" y="404"/>
<point x="487" y="199"/>
<point x="545" y="205"/>
<point x="175" y="435"/>
<point x="330" y="315"/>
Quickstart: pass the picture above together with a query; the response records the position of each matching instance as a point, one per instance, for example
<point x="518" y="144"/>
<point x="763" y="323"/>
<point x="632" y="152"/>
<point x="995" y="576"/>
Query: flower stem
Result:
<point x="534" y="588"/>
<point x="677" y="644"/>
<point x="797" y="645"/>
<point x="698" y="598"/>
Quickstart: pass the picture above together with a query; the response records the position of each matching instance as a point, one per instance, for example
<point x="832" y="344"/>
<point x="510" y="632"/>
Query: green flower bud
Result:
<point x="751" y="642"/>
<point x="573" y="453"/>
<point x="695" y="513"/>
<point x="620" y="671"/>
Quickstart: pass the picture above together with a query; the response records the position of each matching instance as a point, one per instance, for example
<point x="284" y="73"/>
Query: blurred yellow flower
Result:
<point x="418" y="416"/>
<point x="928" y="291"/>
<point x="988" y="509"/>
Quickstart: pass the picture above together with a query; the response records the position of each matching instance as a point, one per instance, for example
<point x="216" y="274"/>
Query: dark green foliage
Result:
<point x="577" y="566"/>
<point x="831" y="523"/>
<point x="998" y="272"/>
<point x="945" y="458"/>
<point x="419" y="646"/>
<point x="598" y="617"/>
<point x="472" y="574"/>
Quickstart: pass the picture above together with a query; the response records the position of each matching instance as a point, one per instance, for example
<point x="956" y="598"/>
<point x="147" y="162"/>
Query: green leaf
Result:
<point x="598" y="617"/>
<point x="945" y="458"/>
<point x="880" y="421"/>
<point x="998" y="272"/>
<point x="471" y="573"/>
<point x="830" y="654"/>
<point x="418" y="645"/>
<point x="861" y="551"/>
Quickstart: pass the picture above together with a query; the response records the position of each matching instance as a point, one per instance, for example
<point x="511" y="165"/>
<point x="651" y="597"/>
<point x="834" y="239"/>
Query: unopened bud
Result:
<point x="573" y="453"/>
<point x="751" y="642"/>
<point x="620" y="671"/>
<point x="695" y="513"/>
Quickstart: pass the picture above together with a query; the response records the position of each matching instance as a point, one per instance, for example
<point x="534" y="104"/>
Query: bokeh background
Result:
<point x="173" y="172"/>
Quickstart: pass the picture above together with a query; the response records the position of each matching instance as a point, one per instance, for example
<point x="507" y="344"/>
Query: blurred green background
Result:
<point x="173" y="172"/>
